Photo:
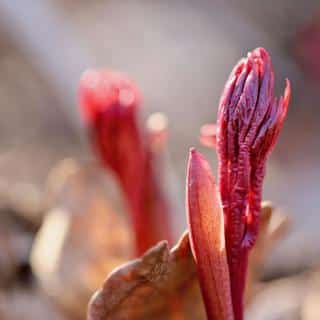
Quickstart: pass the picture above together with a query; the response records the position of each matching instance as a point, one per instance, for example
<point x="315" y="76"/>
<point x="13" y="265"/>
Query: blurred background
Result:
<point x="180" y="54"/>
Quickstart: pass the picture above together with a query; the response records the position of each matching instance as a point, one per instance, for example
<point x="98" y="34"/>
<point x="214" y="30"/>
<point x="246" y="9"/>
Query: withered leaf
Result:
<point x="82" y="237"/>
<point x="163" y="283"/>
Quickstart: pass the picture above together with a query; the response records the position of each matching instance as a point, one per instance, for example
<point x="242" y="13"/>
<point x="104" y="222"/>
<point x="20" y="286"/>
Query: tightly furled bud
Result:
<point x="249" y="121"/>
<point x="110" y="103"/>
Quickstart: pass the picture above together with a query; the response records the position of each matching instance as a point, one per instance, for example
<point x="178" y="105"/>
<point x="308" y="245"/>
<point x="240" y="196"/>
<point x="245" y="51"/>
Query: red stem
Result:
<point x="135" y="166"/>
<point x="235" y="229"/>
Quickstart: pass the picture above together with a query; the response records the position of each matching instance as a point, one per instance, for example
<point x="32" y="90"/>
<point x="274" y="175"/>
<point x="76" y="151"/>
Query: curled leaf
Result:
<point x="160" y="285"/>
<point x="82" y="238"/>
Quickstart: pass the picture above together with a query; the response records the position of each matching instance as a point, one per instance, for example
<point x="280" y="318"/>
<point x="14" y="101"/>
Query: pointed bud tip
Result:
<point x="260" y="51"/>
<point x="195" y="154"/>
<point x="198" y="166"/>
<point x="196" y="159"/>
<point x="192" y="151"/>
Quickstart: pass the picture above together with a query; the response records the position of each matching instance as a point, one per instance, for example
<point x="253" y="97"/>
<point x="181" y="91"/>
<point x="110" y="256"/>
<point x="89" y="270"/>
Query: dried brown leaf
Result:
<point x="162" y="284"/>
<point x="82" y="238"/>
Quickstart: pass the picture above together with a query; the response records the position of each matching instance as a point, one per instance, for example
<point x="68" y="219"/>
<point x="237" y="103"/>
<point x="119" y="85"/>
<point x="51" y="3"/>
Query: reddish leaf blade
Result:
<point x="206" y="227"/>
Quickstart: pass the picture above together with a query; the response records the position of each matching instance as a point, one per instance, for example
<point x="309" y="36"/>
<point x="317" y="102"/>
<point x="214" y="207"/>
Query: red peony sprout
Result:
<point x="110" y="104"/>
<point x="249" y="122"/>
